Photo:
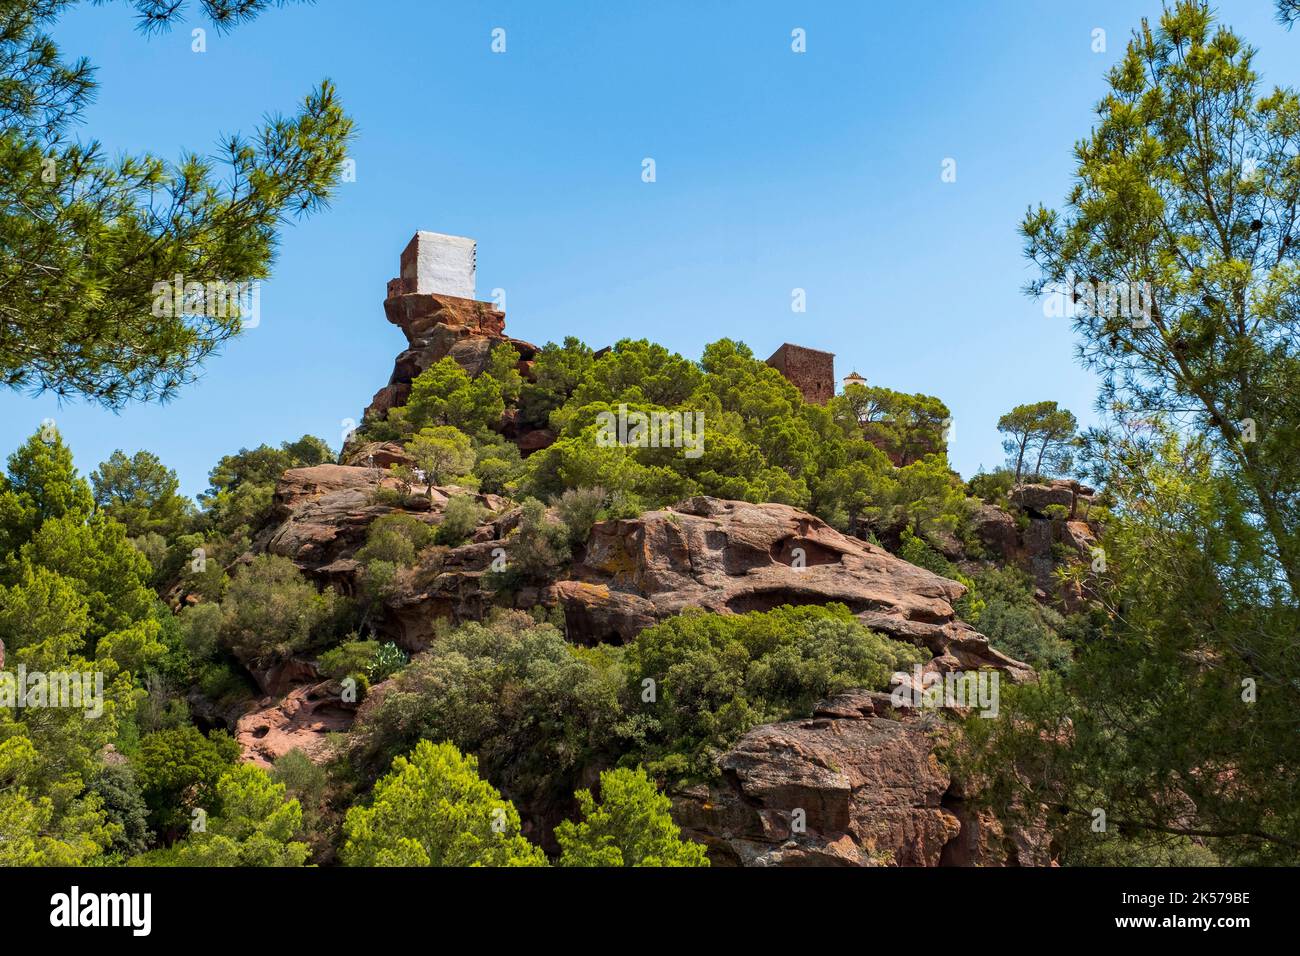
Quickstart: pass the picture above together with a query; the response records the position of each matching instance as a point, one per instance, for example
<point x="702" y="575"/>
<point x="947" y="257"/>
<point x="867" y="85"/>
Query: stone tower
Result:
<point x="810" y="370"/>
<point x="436" y="264"/>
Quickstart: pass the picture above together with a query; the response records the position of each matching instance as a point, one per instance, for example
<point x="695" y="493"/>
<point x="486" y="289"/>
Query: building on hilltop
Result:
<point x="812" y="371"/>
<point x="436" y="264"/>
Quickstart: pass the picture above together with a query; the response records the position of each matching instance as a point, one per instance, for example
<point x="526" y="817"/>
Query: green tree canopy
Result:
<point x="629" y="826"/>
<point x="434" y="810"/>
<point x="89" y="239"/>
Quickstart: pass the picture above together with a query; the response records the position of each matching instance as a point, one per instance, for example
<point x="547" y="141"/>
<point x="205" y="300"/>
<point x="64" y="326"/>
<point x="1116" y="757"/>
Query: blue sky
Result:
<point x="775" y="171"/>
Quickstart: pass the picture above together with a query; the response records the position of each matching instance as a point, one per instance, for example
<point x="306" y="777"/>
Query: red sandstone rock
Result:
<point x="302" y="720"/>
<point x="438" y="326"/>
<point x="871" y="790"/>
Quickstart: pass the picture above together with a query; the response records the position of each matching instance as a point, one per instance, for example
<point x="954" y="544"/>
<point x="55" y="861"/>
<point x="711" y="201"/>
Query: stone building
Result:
<point x="811" y="370"/>
<point x="436" y="264"/>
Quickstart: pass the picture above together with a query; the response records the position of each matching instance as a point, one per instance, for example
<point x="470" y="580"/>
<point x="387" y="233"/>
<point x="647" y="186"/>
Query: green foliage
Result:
<point x="178" y="770"/>
<point x="434" y="810"/>
<point x="240" y="486"/>
<point x="717" y="676"/>
<point x="91" y="237"/>
<point x="907" y="428"/>
<point x="629" y="826"/>
<point x="397" y="538"/>
<point x="124" y="809"/>
<point x="1182" y="720"/>
<point x="271" y="611"/>
<point x="579" y="509"/>
<point x="140" y="493"/>
<point x="44" y="820"/>
<point x="461" y="515"/>
<point x="443" y="452"/>
<point x="375" y="660"/>
<point x="538" y="545"/>
<point x="255" y="827"/>
<point x="992" y="486"/>
<point x="1041" y="433"/>
<point x="557" y="372"/>
<point x="1017" y="624"/>
<point x="532" y="707"/>
<point x="445" y="396"/>
<point x="498" y="467"/>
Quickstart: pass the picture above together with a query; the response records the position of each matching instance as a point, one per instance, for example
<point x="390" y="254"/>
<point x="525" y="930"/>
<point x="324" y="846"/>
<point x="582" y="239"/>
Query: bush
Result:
<point x="579" y="509"/>
<point x="460" y="517"/>
<point x="397" y="538"/>
<point x="1016" y="624"/>
<point x="535" y="709"/>
<point x="540" y="544"/>
<point x="970" y="606"/>
<point x="272" y="611"/>
<point x="376" y="661"/>
<point x="201" y="630"/>
<point x="993" y="486"/>
<point x="717" y="676"/>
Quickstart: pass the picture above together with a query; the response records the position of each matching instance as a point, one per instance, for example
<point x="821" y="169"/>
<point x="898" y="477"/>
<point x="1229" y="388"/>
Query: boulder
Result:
<point x="324" y="512"/>
<point x="857" y="784"/>
<point x="535" y="440"/>
<point x="997" y="529"/>
<point x="379" y="454"/>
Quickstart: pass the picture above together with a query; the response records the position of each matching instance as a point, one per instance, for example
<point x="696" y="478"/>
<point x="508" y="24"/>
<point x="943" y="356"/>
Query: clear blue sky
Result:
<point x="775" y="170"/>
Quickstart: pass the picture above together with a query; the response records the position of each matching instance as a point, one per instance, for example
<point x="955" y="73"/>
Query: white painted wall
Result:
<point x="441" y="264"/>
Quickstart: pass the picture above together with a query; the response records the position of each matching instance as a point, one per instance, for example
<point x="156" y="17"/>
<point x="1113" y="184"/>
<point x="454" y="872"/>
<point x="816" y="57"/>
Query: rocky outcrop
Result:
<point x="378" y="454"/>
<point x="323" y="513"/>
<point x="1028" y="534"/>
<point x="302" y="720"/>
<point x="438" y="326"/>
<point x="733" y="556"/>
<point x="1037" y="498"/>
<point x="857" y="784"/>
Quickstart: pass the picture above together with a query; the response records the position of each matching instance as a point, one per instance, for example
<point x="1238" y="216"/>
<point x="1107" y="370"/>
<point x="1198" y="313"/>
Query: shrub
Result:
<point x="540" y="544"/>
<point x="397" y="538"/>
<point x="1016" y="624"/>
<point x="376" y="661"/>
<point x="993" y="486"/>
<point x="717" y="676"/>
<point x="460" y="517"/>
<point x="271" y="610"/>
<point x="579" y="509"/>
<point x="201" y="630"/>
<point x="535" y="709"/>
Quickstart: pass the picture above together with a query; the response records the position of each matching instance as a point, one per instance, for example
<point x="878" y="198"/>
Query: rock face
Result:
<point x="1036" y="498"/>
<point x="1030" y="542"/>
<point x="324" y="511"/>
<point x="302" y="720"/>
<point x="437" y="326"/>
<point x="733" y="556"/>
<point x="858" y="784"/>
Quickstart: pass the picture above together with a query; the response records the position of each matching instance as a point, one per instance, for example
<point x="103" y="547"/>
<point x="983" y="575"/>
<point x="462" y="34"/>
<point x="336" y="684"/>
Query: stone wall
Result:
<point x="812" y="371"/>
